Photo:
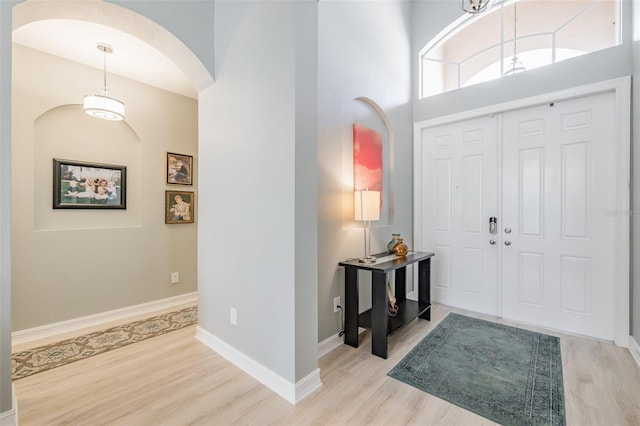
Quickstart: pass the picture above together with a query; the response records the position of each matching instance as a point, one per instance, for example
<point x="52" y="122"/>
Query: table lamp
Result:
<point x="367" y="208"/>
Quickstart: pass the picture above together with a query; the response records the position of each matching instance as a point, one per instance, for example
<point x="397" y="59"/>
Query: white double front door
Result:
<point x="547" y="176"/>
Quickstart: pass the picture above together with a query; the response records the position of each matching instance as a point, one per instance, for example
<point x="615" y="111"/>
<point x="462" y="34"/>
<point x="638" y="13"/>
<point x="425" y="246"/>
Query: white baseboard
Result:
<point x="10" y="418"/>
<point x="329" y="344"/>
<point x="308" y="385"/>
<point x="292" y="392"/>
<point x="333" y="342"/>
<point x="76" y="324"/>
<point x="634" y="348"/>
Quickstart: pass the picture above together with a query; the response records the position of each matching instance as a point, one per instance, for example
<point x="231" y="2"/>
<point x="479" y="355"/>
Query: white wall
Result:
<point x="72" y="263"/>
<point x="363" y="51"/>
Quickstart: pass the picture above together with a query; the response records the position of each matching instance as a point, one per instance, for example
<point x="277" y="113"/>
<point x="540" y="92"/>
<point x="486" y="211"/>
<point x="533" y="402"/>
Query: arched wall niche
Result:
<point x="63" y="132"/>
<point x="123" y="19"/>
<point x="76" y="108"/>
<point x="387" y="213"/>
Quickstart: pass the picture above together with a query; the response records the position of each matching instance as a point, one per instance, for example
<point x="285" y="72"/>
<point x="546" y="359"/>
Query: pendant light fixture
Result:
<point x="101" y="105"/>
<point x="475" y="6"/>
<point x="516" y="64"/>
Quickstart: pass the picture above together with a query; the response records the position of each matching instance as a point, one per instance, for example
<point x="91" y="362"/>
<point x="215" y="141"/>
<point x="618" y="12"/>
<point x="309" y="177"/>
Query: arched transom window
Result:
<point x="514" y="36"/>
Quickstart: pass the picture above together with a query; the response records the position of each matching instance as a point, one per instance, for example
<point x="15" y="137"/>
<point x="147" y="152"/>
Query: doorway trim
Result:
<point x="621" y="145"/>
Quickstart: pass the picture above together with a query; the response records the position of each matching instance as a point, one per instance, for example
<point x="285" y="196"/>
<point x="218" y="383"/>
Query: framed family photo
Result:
<point x="179" y="169"/>
<point x="179" y="207"/>
<point x="84" y="185"/>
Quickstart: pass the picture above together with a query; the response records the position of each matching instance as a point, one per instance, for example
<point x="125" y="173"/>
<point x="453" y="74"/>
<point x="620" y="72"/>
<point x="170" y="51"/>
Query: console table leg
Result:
<point x="379" y="312"/>
<point x="424" y="285"/>
<point x="351" y="306"/>
<point x="401" y="284"/>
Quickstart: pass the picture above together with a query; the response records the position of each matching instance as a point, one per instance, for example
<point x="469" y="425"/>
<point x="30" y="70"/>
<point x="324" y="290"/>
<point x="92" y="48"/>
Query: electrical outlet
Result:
<point x="233" y="316"/>
<point x="336" y="303"/>
<point x="175" y="277"/>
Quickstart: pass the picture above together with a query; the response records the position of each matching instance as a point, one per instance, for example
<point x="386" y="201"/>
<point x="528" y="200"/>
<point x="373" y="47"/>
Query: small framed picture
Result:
<point x="179" y="169"/>
<point x="179" y="207"/>
<point x="83" y="185"/>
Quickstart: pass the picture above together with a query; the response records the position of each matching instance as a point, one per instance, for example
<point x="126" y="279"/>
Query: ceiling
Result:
<point x="131" y="58"/>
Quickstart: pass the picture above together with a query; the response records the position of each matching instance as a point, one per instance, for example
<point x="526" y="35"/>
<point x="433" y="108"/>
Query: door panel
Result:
<point x="576" y="169"/>
<point x="558" y="181"/>
<point x="459" y="170"/>
<point x="530" y="279"/>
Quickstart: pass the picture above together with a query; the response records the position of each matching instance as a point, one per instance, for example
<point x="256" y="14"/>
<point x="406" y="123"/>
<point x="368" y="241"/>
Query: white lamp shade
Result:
<point x="104" y="107"/>
<point x="367" y="205"/>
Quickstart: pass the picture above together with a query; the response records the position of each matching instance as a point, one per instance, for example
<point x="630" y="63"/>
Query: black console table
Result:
<point x="377" y="318"/>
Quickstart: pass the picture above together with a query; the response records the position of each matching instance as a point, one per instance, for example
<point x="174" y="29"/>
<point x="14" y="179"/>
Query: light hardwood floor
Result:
<point x="174" y="379"/>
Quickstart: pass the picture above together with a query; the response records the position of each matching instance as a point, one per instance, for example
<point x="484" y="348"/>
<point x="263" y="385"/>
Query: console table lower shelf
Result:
<point x="408" y="310"/>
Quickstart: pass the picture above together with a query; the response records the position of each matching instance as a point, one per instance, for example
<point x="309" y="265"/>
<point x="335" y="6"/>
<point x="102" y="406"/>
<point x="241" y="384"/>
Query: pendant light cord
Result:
<point x="104" y="56"/>
<point x="105" y="48"/>
<point x="515" y="28"/>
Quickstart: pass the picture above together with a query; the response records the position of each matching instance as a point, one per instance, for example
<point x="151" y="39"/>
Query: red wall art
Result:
<point x="367" y="159"/>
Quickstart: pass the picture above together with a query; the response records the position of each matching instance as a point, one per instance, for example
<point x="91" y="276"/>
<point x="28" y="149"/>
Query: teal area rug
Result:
<point x="505" y="374"/>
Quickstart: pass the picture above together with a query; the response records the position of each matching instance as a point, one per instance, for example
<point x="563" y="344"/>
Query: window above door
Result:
<point x="525" y="33"/>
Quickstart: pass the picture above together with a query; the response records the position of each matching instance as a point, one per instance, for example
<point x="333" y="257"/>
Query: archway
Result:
<point x="123" y="19"/>
<point x="117" y="17"/>
<point x="63" y="84"/>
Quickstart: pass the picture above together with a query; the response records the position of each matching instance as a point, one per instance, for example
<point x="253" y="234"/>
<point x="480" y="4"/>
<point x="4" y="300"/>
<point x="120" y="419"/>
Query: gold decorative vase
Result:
<point x="400" y="248"/>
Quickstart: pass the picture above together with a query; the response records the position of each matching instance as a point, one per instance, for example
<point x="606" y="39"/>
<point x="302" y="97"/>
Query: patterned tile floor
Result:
<point x="43" y="358"/>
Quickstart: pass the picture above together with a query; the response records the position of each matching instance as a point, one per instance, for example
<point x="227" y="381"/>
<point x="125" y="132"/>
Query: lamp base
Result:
<point x="367" y="259"/>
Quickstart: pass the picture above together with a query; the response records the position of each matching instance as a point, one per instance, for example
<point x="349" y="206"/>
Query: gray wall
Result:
<point x="363" y="51"/>
<point x="635" y="172"/>
<point x="252" y="247"/>
<point x="306" y="188"/>
<point x="5" y="206"/>
<point x="253" y="130"/>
